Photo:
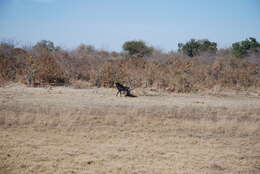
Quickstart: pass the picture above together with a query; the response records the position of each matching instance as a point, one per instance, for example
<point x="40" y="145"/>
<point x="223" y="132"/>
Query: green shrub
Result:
<point x="137" y="48"/>
<point x="195" y="47"/>
<point x="243" y="48"/>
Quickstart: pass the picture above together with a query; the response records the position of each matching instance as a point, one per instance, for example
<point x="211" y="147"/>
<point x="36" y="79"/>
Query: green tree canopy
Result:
<point x="137" y="48"/>
<point x="243" y="48"/>
<point x="46" y="45"/>
<point x="195" y="47"/>
<point x="86" y="48"/>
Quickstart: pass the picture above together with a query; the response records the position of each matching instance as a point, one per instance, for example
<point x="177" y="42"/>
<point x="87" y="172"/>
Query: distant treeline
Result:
<point x="197" y="65"/>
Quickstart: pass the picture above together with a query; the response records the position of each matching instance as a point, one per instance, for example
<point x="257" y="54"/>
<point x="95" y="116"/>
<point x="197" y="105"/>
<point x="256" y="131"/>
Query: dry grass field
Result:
<point x="65" y="130"/>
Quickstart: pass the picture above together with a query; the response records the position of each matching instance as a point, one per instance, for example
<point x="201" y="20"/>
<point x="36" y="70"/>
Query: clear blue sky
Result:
<point x="107" y="24"/>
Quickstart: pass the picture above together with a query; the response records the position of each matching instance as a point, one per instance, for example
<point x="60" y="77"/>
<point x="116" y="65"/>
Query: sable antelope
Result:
<point x="121" y="88"/>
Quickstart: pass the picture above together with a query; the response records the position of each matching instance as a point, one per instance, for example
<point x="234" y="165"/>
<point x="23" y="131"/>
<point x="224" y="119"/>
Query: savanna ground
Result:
<point x="65" y="130"/>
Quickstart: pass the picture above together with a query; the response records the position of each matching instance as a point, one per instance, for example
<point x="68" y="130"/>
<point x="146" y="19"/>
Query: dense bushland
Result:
<point x="198" y="65"/>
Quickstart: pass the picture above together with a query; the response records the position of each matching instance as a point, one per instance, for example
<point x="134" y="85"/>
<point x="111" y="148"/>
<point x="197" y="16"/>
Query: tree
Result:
<point x="195" y="47"/>
<point x="243" y="48"/>
<point x="86" y="48"/>
<point x="137" y="48"/>
<point x="46" y="45"/>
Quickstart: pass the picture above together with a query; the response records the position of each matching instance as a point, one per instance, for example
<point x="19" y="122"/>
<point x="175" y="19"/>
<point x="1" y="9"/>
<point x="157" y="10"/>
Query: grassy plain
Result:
<point x="65" y="130"/>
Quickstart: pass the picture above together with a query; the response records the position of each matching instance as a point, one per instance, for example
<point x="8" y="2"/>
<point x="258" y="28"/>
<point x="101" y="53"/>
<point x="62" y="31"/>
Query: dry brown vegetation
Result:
<point x="40" y="66"/>
<point x="66" y="130"/>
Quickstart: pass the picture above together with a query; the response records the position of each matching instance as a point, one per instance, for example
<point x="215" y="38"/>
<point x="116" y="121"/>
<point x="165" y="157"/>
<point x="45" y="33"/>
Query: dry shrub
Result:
<point x="108" y="73"/>
<point x="165" y="71"/>
<point x="31" y="67"/>
<point x="44" y="70"/>
<point x="80" y="84"/>
<point x="129" y="72"/>
<point x="11" y="62"/>
<point x="235" y="73"/>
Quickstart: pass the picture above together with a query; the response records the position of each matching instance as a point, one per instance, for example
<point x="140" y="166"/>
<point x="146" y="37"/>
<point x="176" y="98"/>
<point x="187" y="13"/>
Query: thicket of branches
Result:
<point x="196" y="66"/>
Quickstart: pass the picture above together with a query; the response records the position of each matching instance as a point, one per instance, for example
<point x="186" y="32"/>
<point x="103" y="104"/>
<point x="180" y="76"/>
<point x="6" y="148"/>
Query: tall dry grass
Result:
<point x="40" y="128"/>
<point x="196" y="120"/>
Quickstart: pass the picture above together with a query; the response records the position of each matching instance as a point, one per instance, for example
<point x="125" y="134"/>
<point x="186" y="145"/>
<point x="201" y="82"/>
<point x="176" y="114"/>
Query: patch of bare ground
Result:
<point x="64" y="130"/>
